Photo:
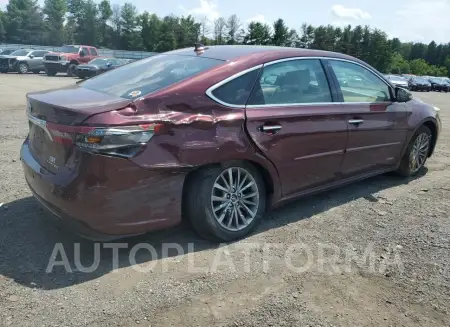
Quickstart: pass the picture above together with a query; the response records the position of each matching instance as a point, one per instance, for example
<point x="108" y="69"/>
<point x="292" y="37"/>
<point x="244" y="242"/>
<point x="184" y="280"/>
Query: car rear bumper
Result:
<point x="106" y="198"/>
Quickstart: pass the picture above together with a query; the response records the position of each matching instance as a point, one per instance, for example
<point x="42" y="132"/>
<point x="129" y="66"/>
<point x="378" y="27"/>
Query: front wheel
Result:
<point x="225" y="203"/>
<point x="22" y="68"/>
<point x="71" y="70"/>
<point x="417" y="153"/>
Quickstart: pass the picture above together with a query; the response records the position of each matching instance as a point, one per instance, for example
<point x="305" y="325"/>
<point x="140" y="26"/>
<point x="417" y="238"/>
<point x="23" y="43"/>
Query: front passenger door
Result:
<point x="377" y="124"/>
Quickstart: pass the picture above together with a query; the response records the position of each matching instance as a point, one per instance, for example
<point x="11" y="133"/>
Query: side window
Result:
<point x="291" y="82"/>
<point x="39" y="53"/>
<point x="237" y="91"/>
<point x="93" y="52"/>
<point x="85" y="51"/>
<point x="359" y="84"/>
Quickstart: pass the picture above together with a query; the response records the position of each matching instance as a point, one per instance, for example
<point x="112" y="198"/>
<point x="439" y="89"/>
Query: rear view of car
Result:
<point x="88" y="155"/>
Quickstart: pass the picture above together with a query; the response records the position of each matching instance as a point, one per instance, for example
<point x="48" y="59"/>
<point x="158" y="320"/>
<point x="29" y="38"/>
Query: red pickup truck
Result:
<point x="67" y="59"/>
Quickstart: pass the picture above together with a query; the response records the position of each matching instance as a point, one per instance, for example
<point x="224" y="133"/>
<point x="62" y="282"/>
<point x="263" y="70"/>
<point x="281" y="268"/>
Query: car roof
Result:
<point x="231" y="52"/>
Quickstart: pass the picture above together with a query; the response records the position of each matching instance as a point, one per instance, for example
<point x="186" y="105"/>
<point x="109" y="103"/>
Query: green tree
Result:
<point x="399" y="65"/>
<point x="258" y="34"/>
<point x="24" y="22"/>
<point x="432" y="55"/>
<point x="130" y="37"/>
<point x="105" y="14"/>
<point x="150" y="31"/>
<point x="234" y="28"/>
<point x="220" y="25"/>
<point x="280" y="33"/>
<point x="419" y="67"/>
<point x="307" y="36"/>
<point x="167" y="40"/>
<point x="2" y="26"/>
<point x="55" y="11"/>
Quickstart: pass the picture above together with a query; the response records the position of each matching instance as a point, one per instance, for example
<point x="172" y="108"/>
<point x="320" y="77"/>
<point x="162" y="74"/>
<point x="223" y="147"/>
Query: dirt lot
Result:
<point x="262" y="281"/>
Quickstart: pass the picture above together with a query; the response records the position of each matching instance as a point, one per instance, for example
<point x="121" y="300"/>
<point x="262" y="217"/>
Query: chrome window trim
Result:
<point x="229" y="79"/>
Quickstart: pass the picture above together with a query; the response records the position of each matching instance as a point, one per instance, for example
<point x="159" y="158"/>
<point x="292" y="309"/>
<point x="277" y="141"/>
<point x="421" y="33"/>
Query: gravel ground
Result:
<point x="305" y="266"/>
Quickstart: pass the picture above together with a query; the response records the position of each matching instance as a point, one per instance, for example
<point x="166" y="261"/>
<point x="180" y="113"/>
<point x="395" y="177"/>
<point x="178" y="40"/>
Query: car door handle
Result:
<point x="269" y="128"/>
<point x="355" y="121"/>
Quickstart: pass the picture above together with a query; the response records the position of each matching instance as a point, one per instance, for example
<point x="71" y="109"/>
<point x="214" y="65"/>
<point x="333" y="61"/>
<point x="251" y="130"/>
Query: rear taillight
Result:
<point x="123" y="141"/>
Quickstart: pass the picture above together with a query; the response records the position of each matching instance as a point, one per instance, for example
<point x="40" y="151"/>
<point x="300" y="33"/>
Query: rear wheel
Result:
<point x="417" y="152"/>
<point x="226" y="202"/>
<point x="22" y="68"/>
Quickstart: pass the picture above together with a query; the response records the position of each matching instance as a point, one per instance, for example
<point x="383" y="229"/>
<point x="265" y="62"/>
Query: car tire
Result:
<point x="71" y="70"/>
<point x="416" y="152"/>
<point x="207" y="188"/>
<point x="22" y="68"/>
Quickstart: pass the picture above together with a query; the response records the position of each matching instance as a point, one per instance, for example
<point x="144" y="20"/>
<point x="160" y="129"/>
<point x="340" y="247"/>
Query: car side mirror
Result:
<point x="402" y="95"/>
<point x="31" y="56"/>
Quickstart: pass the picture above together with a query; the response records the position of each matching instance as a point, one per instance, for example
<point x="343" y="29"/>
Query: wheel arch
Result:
<point x="74" y="62"/>
<point x="270" y="181"/>
<point x="432" y="125"/>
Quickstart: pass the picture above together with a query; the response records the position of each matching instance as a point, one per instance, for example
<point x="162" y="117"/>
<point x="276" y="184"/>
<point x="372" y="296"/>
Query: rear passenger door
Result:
<point x="377" y="124"/>
<point x="294" y="121"/>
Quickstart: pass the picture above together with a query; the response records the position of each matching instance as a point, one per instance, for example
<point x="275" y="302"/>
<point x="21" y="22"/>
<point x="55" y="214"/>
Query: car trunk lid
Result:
<point x="55" y="118"/>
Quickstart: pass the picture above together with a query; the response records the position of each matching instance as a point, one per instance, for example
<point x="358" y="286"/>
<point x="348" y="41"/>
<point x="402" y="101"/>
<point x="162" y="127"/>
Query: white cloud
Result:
<point x="257" y="18"/>
<point x="349" y="13"/>
<point x="427" y="20"/>
<point x="206" y="9"/>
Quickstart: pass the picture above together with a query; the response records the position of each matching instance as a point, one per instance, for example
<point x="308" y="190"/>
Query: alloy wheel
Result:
<point x="419" y="152"/>
<point x="23" y="68"/>
<point x="235" y="198"/>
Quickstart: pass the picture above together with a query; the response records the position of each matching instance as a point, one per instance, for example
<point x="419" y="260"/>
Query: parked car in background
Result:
<point x="398" y="81"/>
<point x="97" y="66"/>
<point x="4" y="52"/>
<point x="419" y="84"/>
<point x="23" y="61"/>
<point x="68" y="58"/>
<point x="438" y="84"/>
<point x="216" y="135"/>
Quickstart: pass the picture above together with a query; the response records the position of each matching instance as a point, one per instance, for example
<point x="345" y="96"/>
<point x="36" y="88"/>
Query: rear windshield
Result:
<point x="149" y="75"/>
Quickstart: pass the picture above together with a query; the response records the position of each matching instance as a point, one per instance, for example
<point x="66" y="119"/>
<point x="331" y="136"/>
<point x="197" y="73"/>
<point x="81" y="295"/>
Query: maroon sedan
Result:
<point x="216" y="135"/>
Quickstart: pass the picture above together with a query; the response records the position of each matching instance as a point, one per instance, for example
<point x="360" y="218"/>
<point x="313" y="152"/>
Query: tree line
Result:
<point x="101" y="24"/>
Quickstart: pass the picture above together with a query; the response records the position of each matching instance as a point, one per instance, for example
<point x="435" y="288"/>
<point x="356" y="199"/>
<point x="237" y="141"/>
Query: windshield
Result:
<point x="21" y="52"/>
<point x="7" y="51"/>
<point x="69" y="49"/>
<point x="436" y="80"/>
<point x="149" y="75"/>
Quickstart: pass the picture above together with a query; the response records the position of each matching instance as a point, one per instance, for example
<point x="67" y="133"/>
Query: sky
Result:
<point x="409" y="20"/>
